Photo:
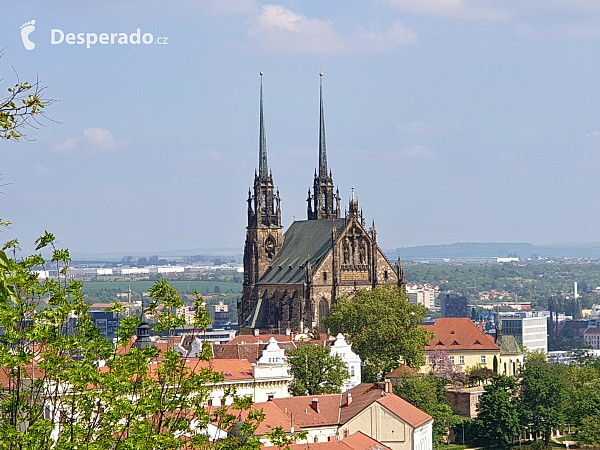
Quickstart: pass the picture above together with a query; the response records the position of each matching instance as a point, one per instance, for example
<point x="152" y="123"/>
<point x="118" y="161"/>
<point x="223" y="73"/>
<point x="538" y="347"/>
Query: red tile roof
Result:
<point x="303" y="412"/>
<point x="402" y="371"/>
<point x="366" y="393"/>
<point x="356" y="441"/>
<point x="458" y="334"/>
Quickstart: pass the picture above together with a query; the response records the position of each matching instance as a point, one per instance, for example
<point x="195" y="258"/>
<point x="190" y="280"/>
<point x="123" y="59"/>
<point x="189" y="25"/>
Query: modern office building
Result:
<point x="454" y="305"/>
<point x="529" y="328"/>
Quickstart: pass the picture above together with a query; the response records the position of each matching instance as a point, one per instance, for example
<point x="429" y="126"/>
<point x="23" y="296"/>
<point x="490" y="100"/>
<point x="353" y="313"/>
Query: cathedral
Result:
<point x="291" y="279"/>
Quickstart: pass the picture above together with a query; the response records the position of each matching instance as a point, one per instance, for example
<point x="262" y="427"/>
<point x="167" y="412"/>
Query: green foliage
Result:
<point x="20" y="107"/>
<point x="497" y="414"/>
<point x="283" y="441"/>
<point x="589" y="431"/>
<point x="315" y="371"/>
<point x="64" y="386"/>
<point x="478" y="374"/>
<point x="383" y="329"/>
<point x="427" y="393"/>
<point x="543" y="390"/>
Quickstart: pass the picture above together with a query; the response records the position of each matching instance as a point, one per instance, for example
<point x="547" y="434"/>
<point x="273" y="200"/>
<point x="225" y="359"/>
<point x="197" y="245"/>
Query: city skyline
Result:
<point x="464" y="121"/>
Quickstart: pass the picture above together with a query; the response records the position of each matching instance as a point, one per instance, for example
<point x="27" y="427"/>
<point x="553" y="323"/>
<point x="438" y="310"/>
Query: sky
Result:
<point x="455" y="120"/>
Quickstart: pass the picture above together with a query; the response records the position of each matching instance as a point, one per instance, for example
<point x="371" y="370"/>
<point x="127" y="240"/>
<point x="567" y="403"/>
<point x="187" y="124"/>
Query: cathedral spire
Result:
<point x="325" y="203"/>
<point x="322" y="145"/>
<point x="263" y="169"/>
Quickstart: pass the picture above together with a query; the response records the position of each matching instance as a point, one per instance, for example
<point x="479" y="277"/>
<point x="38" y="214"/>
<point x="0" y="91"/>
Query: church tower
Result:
<point x="263" y="233"/>
<point x="322" y="203"/>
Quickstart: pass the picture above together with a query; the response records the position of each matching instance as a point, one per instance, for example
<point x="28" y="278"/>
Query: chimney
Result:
<point x="288" y="331"/>
<point x="315" y="405"/>
<point x="256" y="332"/>
<point x="332" y="438"/>
<point x="388" y="386"/>
<point x="349" y="398"/>
<point x="481" y="325"/>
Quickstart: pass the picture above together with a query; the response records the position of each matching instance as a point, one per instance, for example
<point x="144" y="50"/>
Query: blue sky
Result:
<point x="456" y="120"/>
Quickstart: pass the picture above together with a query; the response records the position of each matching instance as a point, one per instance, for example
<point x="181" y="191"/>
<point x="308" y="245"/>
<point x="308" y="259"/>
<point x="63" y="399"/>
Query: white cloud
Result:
<point x="68" y="146"/>
<point x="100" y="138"/>
<point x="457" y="9"/>
<point x="282" y="30"/>
<point x="279" y="29"/>
<point x="417" y="152"/>
<point x="592" y="134"/>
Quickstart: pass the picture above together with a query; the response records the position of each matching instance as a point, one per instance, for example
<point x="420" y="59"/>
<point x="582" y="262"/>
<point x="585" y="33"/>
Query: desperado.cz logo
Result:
<point x="58" y="36"/>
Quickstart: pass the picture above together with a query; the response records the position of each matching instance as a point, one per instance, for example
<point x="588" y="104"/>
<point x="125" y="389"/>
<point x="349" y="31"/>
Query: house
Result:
<point x="511" y="355"/>
<point x="466" y="343"/>
<point x="369" y="408"/>
<point x="250" y="347"/>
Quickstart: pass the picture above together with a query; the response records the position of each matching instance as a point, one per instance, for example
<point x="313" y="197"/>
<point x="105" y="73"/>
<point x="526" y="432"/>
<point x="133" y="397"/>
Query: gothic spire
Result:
<point x="263" y="169"/>
<point x="322" y="146"/>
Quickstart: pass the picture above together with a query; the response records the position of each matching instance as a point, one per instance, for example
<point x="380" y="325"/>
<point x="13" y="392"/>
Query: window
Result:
<point x="482" y="360"/>
<point x="452" y="359"/>
<point x="385" y="275"/>
<point x="324" y="276"/>
<point x="461" y="359"/>
<point x="351" y="371"/>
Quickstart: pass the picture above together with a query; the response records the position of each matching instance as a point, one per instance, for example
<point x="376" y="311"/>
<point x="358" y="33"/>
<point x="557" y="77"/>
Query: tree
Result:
<point x="316" y="371"/>
<point x="543" y="391"/>
<point x="21" y="107"/>
<point x="589" y="431"/>
<point x="478" y="374"/>
<point x="64" y="386"/>
<point x="497" y="415"/>
<point x="382" y="327"/>
<point x="427" y="393"/>
<point x="444" y="368"/>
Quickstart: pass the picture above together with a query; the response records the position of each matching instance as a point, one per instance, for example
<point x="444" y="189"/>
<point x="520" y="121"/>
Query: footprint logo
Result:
<point x="26" y="30"/>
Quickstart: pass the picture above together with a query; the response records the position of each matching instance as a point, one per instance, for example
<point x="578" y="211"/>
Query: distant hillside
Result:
<point x="498" y="249"/>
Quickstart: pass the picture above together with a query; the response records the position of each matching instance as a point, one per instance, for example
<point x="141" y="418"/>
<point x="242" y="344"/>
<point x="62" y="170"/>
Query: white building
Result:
<point x="529" y="328"/>
<point x="424" y="295"/>
<point x="341" y="348"/>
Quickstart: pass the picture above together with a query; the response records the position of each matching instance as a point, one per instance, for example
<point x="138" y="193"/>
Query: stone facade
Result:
<point x="291" y="280"/>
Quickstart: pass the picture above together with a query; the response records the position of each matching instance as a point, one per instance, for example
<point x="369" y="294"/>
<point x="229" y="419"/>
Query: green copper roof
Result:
<point x="508" y="345"/>
<point x="305" y="240"/>
<point x="263" y="170"/>
<point x="322" y="146"/>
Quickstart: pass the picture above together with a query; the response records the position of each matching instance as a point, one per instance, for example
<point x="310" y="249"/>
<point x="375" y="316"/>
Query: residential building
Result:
<point x="219" y="313"/>
<point x="371" y="409"/>
<point x="454" y="305"/>
<point x="591" y="337"/>
<point x="250" y="347"/>
<point x="419" y="294"/>
<point x="105" y="321"/>
<point x="353" y="362"/>
<point x="529" y="328"/>
<point x="466" y="343"/>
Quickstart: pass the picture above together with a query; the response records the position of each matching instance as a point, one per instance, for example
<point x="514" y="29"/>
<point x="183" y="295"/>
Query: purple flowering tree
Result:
<point x="443" y="367"/>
